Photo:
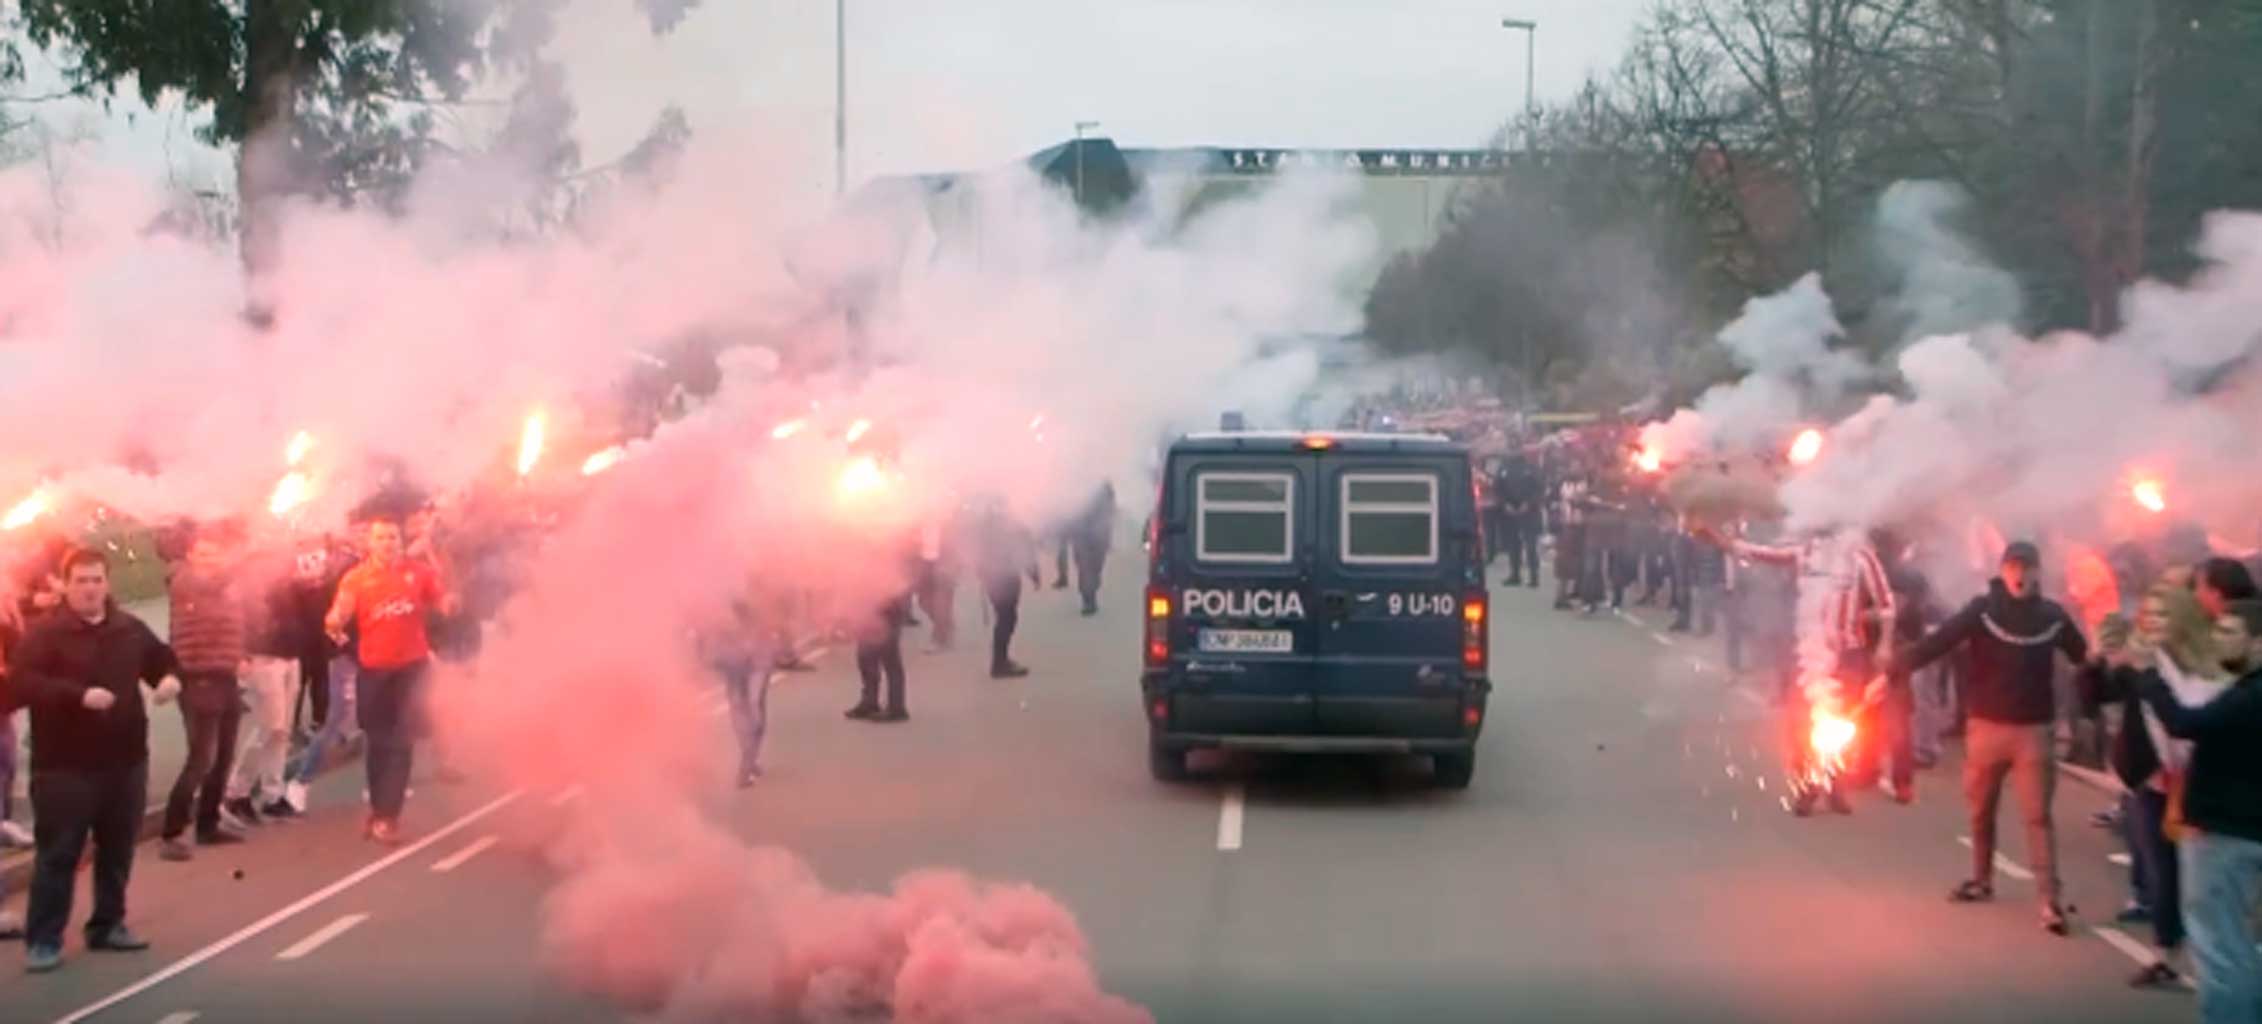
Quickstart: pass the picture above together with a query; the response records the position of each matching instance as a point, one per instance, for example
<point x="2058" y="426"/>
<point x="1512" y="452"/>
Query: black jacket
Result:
<point x="60" y="658"/>
<point x="2223" y="793"/>
<point x="2132" y="756"/>
<point x="2010" y="641"/>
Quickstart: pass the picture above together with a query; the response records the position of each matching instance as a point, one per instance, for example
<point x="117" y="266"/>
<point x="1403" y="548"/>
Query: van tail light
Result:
<point x="1158" y="626"/>
<point x="1473" y="633"/>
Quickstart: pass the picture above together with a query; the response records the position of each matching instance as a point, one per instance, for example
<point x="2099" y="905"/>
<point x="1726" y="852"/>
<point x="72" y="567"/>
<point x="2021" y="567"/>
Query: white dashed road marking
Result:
<point x="1229" y="814"/>
<point x="316" y="941"/>
<point x="191" y="961"/>
<point x="456" y="860"/>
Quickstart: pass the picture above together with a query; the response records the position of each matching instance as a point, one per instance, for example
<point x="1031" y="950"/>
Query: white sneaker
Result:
<point x="14" y="834"/>
<point x="11" y="926"/>
<point x="295" y="794"/>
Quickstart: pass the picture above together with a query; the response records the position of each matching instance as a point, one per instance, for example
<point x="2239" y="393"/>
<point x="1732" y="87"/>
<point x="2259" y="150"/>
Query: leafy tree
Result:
<point x="333" y="96"/>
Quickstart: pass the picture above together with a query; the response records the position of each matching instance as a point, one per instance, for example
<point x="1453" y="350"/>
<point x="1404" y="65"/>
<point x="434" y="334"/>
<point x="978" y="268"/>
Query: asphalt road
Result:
<point x="1622" y="855"/>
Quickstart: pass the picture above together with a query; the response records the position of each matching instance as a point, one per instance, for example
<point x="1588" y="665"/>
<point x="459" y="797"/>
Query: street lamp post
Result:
<point x="1530" y="29"/>
<point x="1531" y="52"/>
<point x="840" y="97"/>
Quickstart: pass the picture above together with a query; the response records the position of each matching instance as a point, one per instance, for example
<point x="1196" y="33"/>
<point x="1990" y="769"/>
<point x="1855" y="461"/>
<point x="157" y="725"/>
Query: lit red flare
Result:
<point x="531" y="439"/>
<point x="861" y="478"/>
<point x="1832" y="733"/>
<point x="857" y="430"/>
<point x="291" y="492"/>
<point x="603" y="460"/>
<point x="1806" y="447"/>
<point x="2150" y="495"/>
<point x="24" y="512"/>
<point x="1648" y="459"/>
<point x="787" y="429"/>
<point x="301" y="443"/>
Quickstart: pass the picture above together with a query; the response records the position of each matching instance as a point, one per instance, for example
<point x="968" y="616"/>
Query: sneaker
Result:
<point x="14" y="834"/>
<point x="294" y="794"/>
<point x="11" y="926"/>
<point x="2158" y="975"/>
<point x="218" y="837"/>
<point x="229" y="820"/>
<point x="1904" y="794"/>
<point x="116" y="939"/>
<point x="894" y="715"/>
<point x="1971" y="892"/>
<point x="1009" y="670"/>
<point x="1838" y="804"/>
<point x="280" y="810"/>
<point x="383" y="832"/>
<point x="175" y="849"/>
<point x="2134" y="913"/>
<point x="862" y="712"/>
<point x="241" y="809"/>
<point x="747" y="778"/>
<point x="2107" y="818"/>
<point x="43" y="958"/>
<point x="2054" y="921"/>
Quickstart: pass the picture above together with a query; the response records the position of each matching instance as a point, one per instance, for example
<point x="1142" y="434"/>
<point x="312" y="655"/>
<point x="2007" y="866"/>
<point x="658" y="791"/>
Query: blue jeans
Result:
<point x="2152" y="857"/>
<point x="746" y="684"/>
<point x="344" y="674"/>
<point x="2222" y="876"/>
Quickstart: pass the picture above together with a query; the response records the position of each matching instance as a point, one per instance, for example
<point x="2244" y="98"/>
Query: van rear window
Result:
<point x="1389" y="519"/>
<point x="1245" y="517"/>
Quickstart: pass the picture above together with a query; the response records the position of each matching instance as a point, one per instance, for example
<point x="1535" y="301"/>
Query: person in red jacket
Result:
<point x="389" y="598"/>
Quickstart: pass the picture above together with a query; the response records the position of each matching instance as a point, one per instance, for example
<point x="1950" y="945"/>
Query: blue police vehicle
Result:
<point x="1316" y="593"/>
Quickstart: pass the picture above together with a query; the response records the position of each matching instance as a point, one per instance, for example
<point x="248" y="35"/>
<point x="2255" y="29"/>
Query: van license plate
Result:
<point x="1248" y="641"/>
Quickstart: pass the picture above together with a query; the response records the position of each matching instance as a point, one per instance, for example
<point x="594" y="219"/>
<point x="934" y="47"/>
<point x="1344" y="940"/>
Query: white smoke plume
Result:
<point x="1783" y="343"/>
<point x="2061" y="439"/>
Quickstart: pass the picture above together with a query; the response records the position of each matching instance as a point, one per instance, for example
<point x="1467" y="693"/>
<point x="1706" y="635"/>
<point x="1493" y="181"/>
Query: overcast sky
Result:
<point x="939" y="86"/>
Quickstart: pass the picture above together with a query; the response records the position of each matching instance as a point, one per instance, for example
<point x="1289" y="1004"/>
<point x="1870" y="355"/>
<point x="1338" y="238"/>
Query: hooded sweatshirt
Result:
<point x="2011" y="641"/>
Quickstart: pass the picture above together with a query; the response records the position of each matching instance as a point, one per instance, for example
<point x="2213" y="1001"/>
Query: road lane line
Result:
<point x="179" y="1017"/>
<point x="1661" y="638"/>
<point x="321" y="937"/>
<point x="566" y="796"/>
<point x="456" y="860"/>
<point x="368" y="871"/>
<point x="2003" y="864"/>
<point x="1229" y="815"/>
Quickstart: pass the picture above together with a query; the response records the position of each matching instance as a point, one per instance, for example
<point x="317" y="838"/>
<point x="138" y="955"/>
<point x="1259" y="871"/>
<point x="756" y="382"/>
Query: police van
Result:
<point x="1316" y="593"/>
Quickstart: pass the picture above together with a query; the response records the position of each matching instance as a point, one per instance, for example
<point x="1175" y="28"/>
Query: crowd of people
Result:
<point x="282" y="653"/>
<point x="1845" y="619"/>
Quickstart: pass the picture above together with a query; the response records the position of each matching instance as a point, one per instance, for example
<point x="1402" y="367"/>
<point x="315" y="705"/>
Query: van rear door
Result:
<point x="1398" y="542"/>
<point x="1244" y="638"/>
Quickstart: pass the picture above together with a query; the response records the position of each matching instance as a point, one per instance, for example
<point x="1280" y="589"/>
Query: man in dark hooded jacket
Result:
<point x="2012" y="635"/>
